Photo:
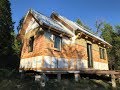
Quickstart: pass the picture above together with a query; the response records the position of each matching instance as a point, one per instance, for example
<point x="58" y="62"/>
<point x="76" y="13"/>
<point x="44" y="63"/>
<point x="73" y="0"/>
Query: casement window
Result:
<point x="102" y="53"/>
<point x="31" y="42"/>
<point x="57" y="41"/>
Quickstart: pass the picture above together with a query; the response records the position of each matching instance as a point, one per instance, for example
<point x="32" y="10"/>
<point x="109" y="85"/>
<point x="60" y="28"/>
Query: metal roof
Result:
<point x="76" y="26"/>
<point x="60" y="27"/>
<point x="50" y="22"/>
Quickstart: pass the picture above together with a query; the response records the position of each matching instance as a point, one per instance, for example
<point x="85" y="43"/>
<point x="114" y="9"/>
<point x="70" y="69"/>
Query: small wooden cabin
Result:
<point x="59" y="44"/>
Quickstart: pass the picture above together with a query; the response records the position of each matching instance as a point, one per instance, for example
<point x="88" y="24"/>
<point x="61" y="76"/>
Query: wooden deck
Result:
<point x="103" y="72"/>
<point x="83" y="71"/>
<point x="89" y="71"/>
<point x="114" y="74"/>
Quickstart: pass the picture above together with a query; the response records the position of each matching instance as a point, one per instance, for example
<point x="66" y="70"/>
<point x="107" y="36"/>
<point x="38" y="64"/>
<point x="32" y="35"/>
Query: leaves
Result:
<point x="107" y="32"/>
<point x="111" y="35"/>
<point x="20" y="24"/>
<point x="78" y="21"/>
<point x="8" y="42"/>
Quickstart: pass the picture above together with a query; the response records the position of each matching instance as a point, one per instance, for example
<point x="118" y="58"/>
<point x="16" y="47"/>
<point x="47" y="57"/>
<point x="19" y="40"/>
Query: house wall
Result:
<point x="72" y="56"/>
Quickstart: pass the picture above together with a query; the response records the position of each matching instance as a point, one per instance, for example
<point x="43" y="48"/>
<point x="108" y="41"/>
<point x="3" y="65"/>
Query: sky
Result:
<point x="88" y="11"/>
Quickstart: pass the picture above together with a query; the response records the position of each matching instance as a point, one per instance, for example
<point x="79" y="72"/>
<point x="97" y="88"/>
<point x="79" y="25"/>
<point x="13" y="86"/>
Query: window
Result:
<point x="31" y="42"/>
<point x="57" y="42"/>
<point x="102" y="53"/>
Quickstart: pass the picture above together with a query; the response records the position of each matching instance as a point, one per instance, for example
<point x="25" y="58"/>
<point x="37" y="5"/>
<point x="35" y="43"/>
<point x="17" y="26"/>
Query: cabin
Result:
<point x="55" y="43"/>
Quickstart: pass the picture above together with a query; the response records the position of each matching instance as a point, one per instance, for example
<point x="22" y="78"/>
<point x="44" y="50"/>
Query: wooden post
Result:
<point x="113" y="82"/>
<point x="59" y="76"/>
<point x="77" y="77"/>
<point x="22" y="75"/>
<point x="37" y="78"/>
<point x="119" y="80"/>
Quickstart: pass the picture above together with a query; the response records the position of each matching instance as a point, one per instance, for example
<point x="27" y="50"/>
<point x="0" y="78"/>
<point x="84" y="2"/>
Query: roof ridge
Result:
<point x="43" y="15"/>
<point x="48" y="21"/>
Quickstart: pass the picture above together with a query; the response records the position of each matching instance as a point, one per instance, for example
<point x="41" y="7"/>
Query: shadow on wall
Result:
<point x="68" y="52"/>
<point x="67" y="58"/>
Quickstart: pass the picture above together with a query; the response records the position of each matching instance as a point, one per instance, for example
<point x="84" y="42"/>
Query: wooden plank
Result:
<point x="108" y="72"/>
<point x="86" y="71"/>
<point x="113" y="82"/>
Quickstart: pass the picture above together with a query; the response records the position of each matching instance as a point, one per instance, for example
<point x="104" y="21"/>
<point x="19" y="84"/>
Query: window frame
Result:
<point x="31" y="44"/>
<point x="55" y="38"/>
<point x="102" y="53"/>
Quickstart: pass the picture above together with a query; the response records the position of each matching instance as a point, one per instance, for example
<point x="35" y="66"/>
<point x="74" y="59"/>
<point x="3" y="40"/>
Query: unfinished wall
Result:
<point x="71" y="56"/>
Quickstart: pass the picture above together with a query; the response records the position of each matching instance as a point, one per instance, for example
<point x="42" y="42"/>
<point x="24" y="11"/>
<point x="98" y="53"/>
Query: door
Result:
<point x="89" y="54"/>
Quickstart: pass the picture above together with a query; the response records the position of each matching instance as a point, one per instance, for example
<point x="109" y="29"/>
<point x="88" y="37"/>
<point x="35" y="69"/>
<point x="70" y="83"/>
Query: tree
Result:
<point x="20" y="24"/>
<point x="112" y="36"/>
<point x="6" y="27"/>
<point x="78" y="21"/>
<point x="7" y="36"/>
<point x="107" y="32"/>
<point x="116" y="46"/>
<point x="99" y="24"/>
<point x="117" y="29"/>
<point x="18" y="42"/>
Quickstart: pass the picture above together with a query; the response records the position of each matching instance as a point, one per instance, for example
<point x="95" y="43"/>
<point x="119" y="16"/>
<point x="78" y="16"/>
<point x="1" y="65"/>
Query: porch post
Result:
<point x="77" y="76"/>
<point x="113" y="82"/>
<point x="59" y="76"/>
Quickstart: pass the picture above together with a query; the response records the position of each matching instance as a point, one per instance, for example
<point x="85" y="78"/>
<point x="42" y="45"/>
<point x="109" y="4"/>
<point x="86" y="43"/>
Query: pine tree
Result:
<point x="112" y="36"/>
<point x="116" y="47"/>
<point x="20" y="24"/>
<point x="6" y="35"/>
<point x="117" y="29"/>
<point x="107" y="32"/>
<point x="78" y="21"/>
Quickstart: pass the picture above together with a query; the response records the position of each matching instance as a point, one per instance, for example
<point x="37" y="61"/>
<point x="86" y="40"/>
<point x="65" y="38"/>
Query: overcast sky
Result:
<point x="87" y="10"/>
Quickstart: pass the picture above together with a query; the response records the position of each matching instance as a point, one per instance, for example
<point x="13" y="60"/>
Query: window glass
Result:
<point x="102" y="53"/>
<point x="57" y="42"/>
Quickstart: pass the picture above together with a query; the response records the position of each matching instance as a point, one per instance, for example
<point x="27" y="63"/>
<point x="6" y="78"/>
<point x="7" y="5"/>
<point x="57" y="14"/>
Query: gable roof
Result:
<point x="42" y="19"/>
<point x="50" y="22"/>
<point x="76" y="26"/>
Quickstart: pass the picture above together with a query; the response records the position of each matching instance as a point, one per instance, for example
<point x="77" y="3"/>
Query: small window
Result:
<point x="31" y="42"/>
<point x="102" y="53"/>
<point x="57" y="42"/>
